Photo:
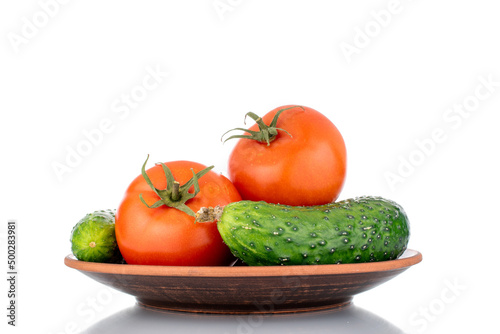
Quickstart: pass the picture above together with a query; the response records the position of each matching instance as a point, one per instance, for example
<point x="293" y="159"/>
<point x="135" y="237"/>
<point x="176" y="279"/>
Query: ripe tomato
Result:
<point x="304" y="164"/>
<point x="166" y="235"/>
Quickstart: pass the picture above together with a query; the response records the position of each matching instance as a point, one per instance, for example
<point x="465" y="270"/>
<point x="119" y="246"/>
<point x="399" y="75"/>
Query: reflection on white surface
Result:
<point x="137" y="319"/>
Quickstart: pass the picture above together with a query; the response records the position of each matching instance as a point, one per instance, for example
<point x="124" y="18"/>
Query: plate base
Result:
<point x="243" y="309"/>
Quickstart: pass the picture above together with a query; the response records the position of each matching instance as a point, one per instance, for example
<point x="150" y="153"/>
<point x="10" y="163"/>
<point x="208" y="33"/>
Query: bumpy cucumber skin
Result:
<point x="362" y="229"/>
<point x="97" y="227"/>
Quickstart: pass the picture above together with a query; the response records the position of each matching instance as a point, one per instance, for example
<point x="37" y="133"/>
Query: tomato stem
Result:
<point x="266" y="133"/>
<point x="174" y="195"/>
<point x="175" y="191"/>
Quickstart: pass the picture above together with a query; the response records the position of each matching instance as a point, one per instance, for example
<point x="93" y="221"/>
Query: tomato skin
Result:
<point x="167" y="236"/>
<point x="308" y="168"/>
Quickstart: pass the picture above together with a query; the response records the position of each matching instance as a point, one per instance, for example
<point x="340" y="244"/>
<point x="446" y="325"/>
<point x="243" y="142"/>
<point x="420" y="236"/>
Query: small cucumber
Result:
<point x="362" y="229"/>
<point x="93" y="238"/>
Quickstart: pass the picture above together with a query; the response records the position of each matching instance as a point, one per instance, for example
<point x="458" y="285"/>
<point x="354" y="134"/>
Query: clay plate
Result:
<point x="245" y="289"/>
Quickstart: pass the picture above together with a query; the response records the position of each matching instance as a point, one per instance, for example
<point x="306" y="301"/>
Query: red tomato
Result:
<point x="305" y="166"/>
<point x="166" y="235"/>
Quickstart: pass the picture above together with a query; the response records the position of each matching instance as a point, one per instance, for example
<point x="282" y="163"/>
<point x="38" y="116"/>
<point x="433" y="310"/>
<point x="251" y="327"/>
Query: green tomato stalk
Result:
<point x="266" y="133"/>
<point x="174" y="195"/>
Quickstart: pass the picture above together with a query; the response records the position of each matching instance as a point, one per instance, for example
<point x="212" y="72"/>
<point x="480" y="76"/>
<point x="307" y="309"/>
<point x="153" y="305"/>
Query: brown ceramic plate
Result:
<point x="245" y="289"/>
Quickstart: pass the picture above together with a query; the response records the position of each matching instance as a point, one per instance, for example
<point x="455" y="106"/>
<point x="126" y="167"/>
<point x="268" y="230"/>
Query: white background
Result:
<point x="64" y="73"/>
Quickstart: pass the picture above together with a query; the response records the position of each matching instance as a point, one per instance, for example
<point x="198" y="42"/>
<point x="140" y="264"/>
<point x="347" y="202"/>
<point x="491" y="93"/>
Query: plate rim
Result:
<point x="409" y="258"/>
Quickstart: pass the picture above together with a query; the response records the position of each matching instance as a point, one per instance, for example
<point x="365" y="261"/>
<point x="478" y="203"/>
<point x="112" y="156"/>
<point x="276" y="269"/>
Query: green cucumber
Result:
<point x="362" y="229"/>
<point x="93" y="238"/>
